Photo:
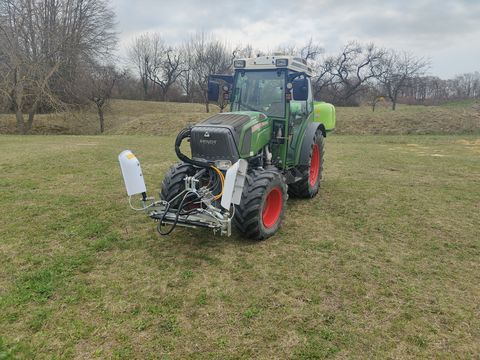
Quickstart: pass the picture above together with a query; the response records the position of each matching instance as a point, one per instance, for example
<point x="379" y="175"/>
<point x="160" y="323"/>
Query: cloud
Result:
<point x="438" y="30"/>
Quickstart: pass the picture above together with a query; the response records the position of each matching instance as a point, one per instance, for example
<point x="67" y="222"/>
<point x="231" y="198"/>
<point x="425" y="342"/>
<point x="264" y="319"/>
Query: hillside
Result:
<point x="453" y="118"/>
<point x="137" y="114"/>
<point x="125" y="117"/>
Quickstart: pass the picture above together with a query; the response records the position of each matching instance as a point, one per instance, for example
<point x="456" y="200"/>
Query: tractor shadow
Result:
<point x="198" y="247"/>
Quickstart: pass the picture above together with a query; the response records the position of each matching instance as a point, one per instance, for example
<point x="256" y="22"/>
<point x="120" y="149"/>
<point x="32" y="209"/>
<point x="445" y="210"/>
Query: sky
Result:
<point x="446" y="32"/>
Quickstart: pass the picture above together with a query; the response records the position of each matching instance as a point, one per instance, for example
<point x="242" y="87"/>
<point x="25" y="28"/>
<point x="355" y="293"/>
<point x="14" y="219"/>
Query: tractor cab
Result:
<point x="265" y="84"/>
<point x="275" y="88"/>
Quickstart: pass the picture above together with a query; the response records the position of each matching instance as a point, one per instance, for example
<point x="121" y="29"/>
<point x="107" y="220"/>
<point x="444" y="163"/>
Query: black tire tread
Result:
<point x="302" y="188"/>
<point x="248" y="213"/>
<point x="173" y="182"/>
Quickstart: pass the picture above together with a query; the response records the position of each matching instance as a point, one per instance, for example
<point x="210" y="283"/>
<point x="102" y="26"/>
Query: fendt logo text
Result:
<point x="208" y="142"/>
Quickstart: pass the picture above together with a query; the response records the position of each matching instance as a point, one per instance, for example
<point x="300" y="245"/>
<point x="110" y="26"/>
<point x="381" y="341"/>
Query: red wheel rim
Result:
<point x="272" y="207"/>
<point x="314" y="165"/>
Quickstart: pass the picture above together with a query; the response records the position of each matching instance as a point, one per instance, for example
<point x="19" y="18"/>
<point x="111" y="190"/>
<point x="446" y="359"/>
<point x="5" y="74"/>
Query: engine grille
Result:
<point x="213" y="143"/>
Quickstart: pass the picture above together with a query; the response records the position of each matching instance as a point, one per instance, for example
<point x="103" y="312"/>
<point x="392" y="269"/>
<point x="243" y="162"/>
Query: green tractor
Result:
<point x="244" y="164"/>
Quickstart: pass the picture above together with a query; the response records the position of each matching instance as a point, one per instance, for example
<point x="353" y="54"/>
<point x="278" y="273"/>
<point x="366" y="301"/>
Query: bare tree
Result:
<point x="139" y="55"/>
<point x="157" y="63"/>
<point x="311" y="51"/>
<point x="27" y="68"/>
<point x="211" y="57"/>
<point x="246" y="51"/>
<point x="467" y="85"/>
<point x="127" y="87"/>
<point x="347" y="74"/>
<point x="99" y="89"/>
<point x="396" y="69"/>
<point x="166" y="69"/>
<point x="41" y="42"/>
<point x="308" y="51"/>
<point x="186" y="78"/>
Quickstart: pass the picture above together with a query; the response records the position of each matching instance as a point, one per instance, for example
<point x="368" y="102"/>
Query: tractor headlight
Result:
<point x="281" y="62"/>
<point x="239" y="64"/>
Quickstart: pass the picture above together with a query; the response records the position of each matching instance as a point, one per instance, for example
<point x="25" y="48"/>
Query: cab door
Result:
<point x="300" y="114"/>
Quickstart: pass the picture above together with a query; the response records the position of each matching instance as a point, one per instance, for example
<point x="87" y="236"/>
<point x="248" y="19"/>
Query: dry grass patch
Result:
<point x="454" y="118"/>
<point x="151" y="116"/>
<point x="128" y="117"/>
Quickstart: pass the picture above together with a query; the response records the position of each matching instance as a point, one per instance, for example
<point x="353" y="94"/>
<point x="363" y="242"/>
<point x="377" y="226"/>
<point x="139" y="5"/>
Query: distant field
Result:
<point x="155" y="118"/>
<point x="384" y="263"/>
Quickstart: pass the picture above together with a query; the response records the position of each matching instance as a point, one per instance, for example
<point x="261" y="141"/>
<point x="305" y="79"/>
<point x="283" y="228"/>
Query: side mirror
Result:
<point x="300" y="89"/>
<point x="214" y="85"/>
<point x="213" y="90"/>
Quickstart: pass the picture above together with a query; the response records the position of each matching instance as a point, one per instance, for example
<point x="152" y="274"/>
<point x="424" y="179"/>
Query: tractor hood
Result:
<point x="235" y="119"/>
<point x="230" y="135"/>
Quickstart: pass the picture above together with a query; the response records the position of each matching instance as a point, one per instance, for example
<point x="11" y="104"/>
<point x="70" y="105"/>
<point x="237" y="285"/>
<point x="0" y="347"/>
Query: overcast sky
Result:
<point x="447" y="32"/>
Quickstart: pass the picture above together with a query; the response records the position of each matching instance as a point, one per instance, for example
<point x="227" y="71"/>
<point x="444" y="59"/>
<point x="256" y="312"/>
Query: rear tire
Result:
<point x="309" y="185"/>
<point x="173" y="182"/>
<point x="262" y="206"/>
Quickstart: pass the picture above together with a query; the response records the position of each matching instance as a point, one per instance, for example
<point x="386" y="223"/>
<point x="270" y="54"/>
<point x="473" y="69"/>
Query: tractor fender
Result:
<point x="308" y="138"/>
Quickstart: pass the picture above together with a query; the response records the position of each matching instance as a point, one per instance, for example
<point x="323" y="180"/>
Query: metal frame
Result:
<point x="209" y="217"/>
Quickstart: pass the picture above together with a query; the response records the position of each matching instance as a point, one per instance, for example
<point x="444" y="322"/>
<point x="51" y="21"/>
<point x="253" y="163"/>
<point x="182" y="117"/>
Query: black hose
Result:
<point x="185" y="133"/>
<point x="174" y="225"/>
<point x="159" y="226"/>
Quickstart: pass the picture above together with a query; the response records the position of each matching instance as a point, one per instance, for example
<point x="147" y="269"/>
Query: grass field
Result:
<point x="384" y="263"/>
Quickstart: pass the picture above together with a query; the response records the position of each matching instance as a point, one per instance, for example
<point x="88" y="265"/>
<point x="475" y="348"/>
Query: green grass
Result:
<point x="384" y="263"/>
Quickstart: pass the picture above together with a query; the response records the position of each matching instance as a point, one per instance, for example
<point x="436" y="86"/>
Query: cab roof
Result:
<point x="274" y="62"/>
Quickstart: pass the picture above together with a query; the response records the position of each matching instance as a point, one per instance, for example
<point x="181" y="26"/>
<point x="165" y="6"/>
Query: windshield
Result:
<point x="261" y="91"/>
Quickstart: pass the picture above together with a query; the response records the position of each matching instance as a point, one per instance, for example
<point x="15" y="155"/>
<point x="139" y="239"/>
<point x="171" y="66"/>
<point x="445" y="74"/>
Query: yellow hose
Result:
<point x="222" y="179"/>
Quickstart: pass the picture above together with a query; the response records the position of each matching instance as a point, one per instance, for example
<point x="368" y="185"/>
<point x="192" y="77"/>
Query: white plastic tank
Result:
<point x="132" y="173"/>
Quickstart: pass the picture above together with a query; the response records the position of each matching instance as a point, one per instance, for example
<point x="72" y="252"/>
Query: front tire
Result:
<point x="309" y="185"/>
<point x="262" y="206"/>
<point x="173" y="183"/>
